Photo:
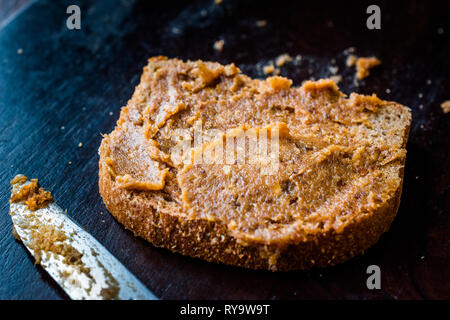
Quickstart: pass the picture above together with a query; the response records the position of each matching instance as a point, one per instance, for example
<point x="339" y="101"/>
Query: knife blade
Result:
<point x="75" y="259"/>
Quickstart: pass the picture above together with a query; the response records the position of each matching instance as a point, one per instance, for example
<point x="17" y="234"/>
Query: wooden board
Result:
<point x="68" y="87"/>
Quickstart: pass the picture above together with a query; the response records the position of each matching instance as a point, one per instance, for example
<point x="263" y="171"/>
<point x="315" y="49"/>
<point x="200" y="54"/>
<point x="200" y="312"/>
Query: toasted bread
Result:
<point x="335" y="191"/>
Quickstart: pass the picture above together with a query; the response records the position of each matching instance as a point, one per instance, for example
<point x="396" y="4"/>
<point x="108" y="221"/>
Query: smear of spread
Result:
<point x="31" y="194"/>
<point x="334" y="147"/>
<point x="132" y="160"/>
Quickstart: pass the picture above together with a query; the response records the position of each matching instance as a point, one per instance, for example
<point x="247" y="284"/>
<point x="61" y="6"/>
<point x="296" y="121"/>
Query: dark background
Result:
<point x="75" y="79"/>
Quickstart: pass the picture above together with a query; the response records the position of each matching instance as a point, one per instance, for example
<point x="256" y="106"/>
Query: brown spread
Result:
<point x="336" y="158"/>
<point x="30" y="194"/>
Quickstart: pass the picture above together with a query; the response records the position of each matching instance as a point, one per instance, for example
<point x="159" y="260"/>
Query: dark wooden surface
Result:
<point x="74" y="79"/>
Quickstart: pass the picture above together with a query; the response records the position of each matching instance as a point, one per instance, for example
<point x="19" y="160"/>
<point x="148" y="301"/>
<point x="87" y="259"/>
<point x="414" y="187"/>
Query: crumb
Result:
<point x="80" y="144"/>
<point x="364" y="64"/>
<point x="269" y="69"/>
<point x="330" y="24"/>
<point x="440" y="30"/>
<point x="351" y="60"/>
<point x="333" y="61"/>
<point x="12" y="166"/>
<point x="446" y="106"/>
<point x="336" y="78"/>
<point x="70" y="162"/>
<point x="428" y="82"/>
<point x="298" y="57"/>
<point x="333" y="70"/>
<point x="218" y="1"/>
<point x="203" y="12"/>
<point x="62" y="127"/>
<point x="261" y="23"/>
<point x="175" y="30"/>
<point x="110" y="113"/>
<point x="420" y="95"/>
<point x="283" y="59"/>
<point x="218" y="45"/>
<point x="19" y="51"/>
<point x="350" y="50"/>
<point x="417" y="177"/>
<point x="421" y="107"/>
<point x="84" y="108"/>
<point x="388" y="90"/>
<point x="421" y="126"/>
<point x="422" y="257"/>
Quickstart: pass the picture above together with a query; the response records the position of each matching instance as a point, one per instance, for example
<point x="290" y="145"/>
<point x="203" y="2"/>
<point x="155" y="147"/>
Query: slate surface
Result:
<point x="74" y="79"/>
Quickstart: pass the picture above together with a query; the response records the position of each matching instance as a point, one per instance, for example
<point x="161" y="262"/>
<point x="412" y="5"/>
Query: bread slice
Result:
<point x="335" y="190"/>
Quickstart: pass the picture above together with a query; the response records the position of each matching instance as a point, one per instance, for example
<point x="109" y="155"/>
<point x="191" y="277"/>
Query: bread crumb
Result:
<point x="336" y="78"/>
<point x="80" y="144"/>
<point x="428" y="82"/>
<point x="283" y="59"/>
<point x="218" y="1"/>
<point x="351" y="60"/>
<point x="420" y="95"/>
<point x="270" y="69"/>
<point x="333" y="70"/>
<point x="388" y="90"/>
<point x="350" y="50"/>
<point x="218" y="45"/>
<point x="421" y="107"/>
<point x="364" y="64"/>
<point x="261" y="23"/>
<point x="70" y="162"/>
<point x="19" y="51"/>
<point x="440" y="30"/>
<point x="63" y="128"/>
<point x="110" y="113"/>
<point x="446" y="106"/>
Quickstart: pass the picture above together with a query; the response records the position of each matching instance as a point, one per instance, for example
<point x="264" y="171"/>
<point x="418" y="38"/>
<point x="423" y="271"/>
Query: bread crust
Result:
<point x="211" y="239"/>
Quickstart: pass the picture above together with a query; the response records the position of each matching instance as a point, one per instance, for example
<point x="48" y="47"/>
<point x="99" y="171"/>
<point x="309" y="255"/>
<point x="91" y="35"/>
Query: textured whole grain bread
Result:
<point x="336" y="190"/>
